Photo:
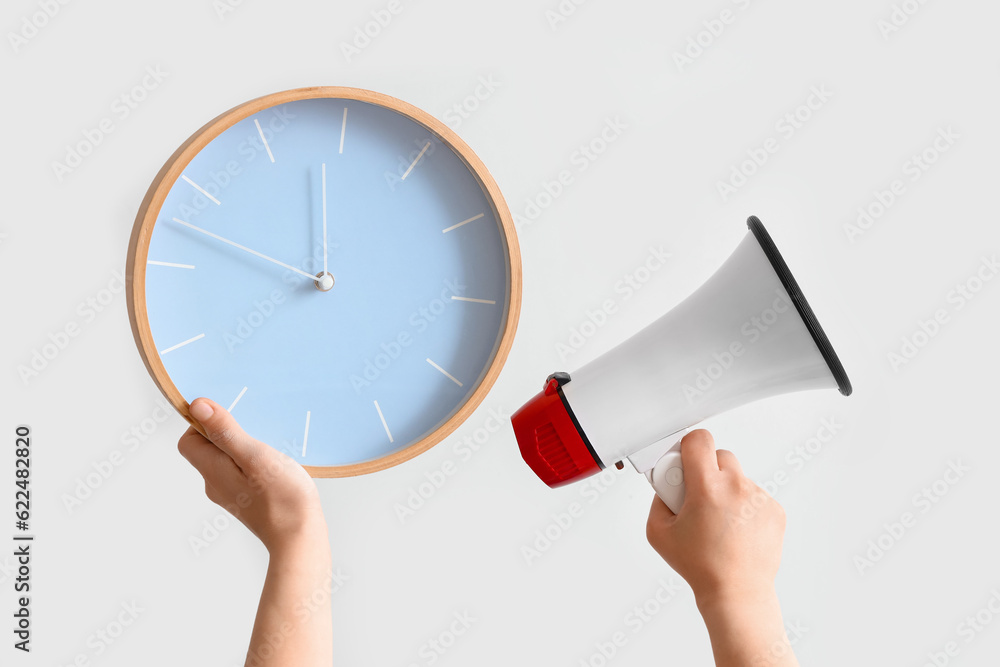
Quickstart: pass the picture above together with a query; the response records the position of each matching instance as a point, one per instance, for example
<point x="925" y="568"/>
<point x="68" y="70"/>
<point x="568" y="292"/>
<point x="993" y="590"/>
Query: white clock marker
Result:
<point x="384" y="425"/>
<point x="419" y="155"/>
<point x="237" y="399"/>
<point x="446" y="373"/>
<point x="201" y="189"/>
<point x="343" y="129"/>
<point x="305" y="436"/>
<point x="470" y="299"/>
<point x="464" y="222"/>
<point x="189" y="340"/>
<point x="176" y="266"/>
<point x="261" y="132"/>
<point x="242" y="247"/>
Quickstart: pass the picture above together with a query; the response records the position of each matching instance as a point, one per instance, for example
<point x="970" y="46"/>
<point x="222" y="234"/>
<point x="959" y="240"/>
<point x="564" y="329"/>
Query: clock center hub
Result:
<point x="324" y="282"/>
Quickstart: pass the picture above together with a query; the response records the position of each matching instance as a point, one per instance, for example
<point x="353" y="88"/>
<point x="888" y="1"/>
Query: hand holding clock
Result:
<point x="444" y="226"/>
<point x="277" y="500"/>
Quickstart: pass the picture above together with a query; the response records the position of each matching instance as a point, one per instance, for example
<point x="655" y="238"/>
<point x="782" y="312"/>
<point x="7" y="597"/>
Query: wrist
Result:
<point x="733" y="599"/>
<point x="308" y="538"/>
<point x="745" y="626"/>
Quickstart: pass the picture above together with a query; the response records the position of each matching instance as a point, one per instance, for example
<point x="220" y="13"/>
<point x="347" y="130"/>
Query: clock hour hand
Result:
<point x="252" y="252"/>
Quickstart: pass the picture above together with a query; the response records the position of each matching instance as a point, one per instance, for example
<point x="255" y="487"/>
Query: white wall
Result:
<point x="686" y="128"/>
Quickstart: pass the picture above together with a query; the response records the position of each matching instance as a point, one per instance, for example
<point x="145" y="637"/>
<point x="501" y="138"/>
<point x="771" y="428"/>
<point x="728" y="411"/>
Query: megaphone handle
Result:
<point x="667" y="477"/>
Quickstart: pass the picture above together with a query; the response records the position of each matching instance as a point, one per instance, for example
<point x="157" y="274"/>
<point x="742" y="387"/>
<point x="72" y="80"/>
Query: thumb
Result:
<point x="225" y="433"/>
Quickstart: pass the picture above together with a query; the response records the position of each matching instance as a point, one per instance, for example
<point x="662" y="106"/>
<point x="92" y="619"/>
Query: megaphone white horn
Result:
<point x="746" y="334"/>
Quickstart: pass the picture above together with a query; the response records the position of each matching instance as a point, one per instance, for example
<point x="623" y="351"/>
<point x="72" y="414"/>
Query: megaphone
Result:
<point x="746" y="334"/>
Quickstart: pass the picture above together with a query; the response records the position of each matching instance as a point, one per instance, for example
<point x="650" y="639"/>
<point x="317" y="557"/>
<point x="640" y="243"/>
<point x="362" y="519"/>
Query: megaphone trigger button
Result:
<point x="675" y="476"/>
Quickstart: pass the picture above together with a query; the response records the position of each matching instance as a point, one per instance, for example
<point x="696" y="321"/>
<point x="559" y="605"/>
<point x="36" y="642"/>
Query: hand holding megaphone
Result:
<point x="746" y="334"/>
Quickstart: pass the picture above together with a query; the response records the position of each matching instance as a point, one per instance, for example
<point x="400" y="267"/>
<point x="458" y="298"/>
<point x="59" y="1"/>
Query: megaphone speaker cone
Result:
<point x="745" y="334"/>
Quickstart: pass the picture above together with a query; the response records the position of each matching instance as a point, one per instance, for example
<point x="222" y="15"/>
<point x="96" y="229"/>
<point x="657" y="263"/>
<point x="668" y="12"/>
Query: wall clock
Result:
<point x="334" y="265"/>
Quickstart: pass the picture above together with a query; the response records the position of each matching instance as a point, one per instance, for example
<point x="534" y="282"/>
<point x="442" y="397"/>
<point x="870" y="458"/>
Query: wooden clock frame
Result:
<point x="149" y="210"/>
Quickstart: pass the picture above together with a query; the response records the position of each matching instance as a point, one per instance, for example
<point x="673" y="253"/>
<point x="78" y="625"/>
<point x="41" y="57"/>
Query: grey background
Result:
<point x="62" y="241"/>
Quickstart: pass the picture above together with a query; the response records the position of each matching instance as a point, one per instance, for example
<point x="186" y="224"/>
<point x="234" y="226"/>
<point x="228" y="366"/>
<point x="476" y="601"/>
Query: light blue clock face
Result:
<point x="238" y="279"/>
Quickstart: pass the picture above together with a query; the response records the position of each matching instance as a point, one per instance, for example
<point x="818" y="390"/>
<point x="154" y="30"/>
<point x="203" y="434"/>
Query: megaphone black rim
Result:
<point x="801" y="305"/>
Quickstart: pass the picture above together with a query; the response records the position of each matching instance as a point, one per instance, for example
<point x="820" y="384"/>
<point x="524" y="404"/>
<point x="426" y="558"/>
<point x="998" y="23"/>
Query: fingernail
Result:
<point x="201" y="411"/>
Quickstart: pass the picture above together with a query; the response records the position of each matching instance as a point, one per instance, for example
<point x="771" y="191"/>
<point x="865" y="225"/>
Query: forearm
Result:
<point x="294" y="625"/>
<point x="746" y="629"/>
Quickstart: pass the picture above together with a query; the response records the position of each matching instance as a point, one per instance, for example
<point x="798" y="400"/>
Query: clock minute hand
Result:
<point x="325" y="267"/>
<point x="241" y="247"/>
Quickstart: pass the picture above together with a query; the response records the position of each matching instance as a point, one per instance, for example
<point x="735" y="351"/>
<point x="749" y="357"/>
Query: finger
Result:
<point x="699" y="459"/>
<point x="215" y="466"/>
<point x="728" y="462"/>
<point x="223" y="430"/>
<point x="660" y="518"/>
